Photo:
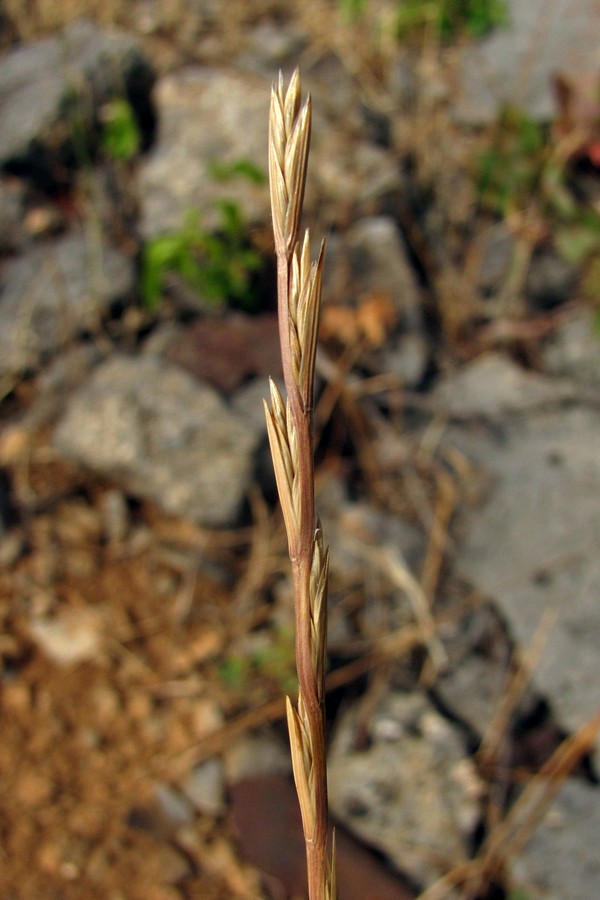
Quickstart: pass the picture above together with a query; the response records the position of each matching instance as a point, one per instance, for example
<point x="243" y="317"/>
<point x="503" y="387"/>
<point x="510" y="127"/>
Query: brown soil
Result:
<point x="95" y="716"/>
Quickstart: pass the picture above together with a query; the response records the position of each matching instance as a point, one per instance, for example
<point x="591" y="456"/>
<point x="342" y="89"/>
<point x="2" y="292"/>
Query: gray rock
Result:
<point x="574" y="349"/>
<point x="493" y="386"/>
<point x="163" y="435"/>
<point x="348" y="175"/>
<point x="496" y="248"/>
<point x="52" y="293"/>
<point x="377" y="261"/>
<point x="52" y="94"/>
<point x="173" y="806"/>
<point x="532" y="546"/>
<point x="256" y="754"/>
<point x="551" y="280"/>
<point x="412" y="792"/>
<point x="406" y="356"/>
<point x="248" y="403"/>
<point x="474" y="683"/>
<point x="270" y="47"/>
<point x="205" y="117"/>
<point x="562" y="860"/>
<point x="515" y="64"/>
<point x="369" y="264"/>
<point x="205" y="787"/>
<point x="354" y="527"/>
<point x="57" y="380"/>
<point x="474" y="690"/>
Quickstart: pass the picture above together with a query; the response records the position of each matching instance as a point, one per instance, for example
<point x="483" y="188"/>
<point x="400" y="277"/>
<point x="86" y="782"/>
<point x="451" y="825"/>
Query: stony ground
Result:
<point x="146" y="639"/>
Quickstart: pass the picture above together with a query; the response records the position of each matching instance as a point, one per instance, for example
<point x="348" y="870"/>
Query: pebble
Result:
<point x="74" y="637"/>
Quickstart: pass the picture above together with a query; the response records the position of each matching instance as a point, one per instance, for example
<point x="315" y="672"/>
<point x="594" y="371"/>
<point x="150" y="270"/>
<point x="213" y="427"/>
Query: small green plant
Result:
<point x="274" y="661"/>
<point x="351" y="10"/>
<point x="121" y="136"/>
<point x="218" y="266"/>
<point x="475" y="17"/>
<point x="510" y="171"/>
<point x="239" y="168"/>
<point x="450" y="18"/>
<point x="522" y="171"/>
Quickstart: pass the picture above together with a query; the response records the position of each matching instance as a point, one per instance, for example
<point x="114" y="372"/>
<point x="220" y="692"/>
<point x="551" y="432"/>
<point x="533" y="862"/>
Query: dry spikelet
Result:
<point x="289" y="139"/>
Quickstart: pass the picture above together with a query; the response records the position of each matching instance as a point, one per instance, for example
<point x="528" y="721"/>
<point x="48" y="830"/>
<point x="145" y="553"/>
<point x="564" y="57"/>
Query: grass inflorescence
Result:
<point x="289" y="425"/>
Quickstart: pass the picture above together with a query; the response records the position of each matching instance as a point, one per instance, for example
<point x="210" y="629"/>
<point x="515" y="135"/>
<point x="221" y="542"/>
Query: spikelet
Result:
<point x="289" y="139"/>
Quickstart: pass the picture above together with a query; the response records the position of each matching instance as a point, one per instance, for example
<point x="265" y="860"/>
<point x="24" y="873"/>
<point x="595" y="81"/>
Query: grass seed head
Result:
<point x="289" y="139"/>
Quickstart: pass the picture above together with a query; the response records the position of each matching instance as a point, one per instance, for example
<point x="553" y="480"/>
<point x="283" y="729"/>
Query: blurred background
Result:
<point x="146" y="639"/>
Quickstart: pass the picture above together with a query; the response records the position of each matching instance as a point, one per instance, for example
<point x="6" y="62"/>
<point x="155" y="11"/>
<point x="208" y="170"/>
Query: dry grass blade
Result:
<point x="289" y="428"/>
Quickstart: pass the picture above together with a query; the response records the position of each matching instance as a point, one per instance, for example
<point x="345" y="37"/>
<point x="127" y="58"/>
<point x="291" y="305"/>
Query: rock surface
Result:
<point x="562" y="859"/>
<point x="163" y="435"/>
<point x="574" y="350"/>
<point x="492" y="386"/>
<point x="371" y="258"/>
<point x="515" y="64"/>
<point x="54" y="292"/>
<point x="411" y="791"/>
<point x="52" y="94"/>
<point x="532" y="546"/>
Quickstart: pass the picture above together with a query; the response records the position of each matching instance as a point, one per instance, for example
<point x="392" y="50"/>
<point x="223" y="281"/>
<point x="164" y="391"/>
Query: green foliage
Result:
<point x="274" y="662"/>
<point x="475" y="17"/>
<point x="520" y="171"/>
<point x="578" y="239"/>
<point x="217" y="265"/>
<point x="240" y="168"/>
<point x="234" y="671"/>
<point x="449" y="17"/>
<point x="510" y="171"/>
<point x="352" y="9"/>
<point x="121" y="137"/>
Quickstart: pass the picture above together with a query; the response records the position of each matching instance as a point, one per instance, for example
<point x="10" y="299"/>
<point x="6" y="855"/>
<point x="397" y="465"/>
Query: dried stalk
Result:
<point x="289" y="427"/>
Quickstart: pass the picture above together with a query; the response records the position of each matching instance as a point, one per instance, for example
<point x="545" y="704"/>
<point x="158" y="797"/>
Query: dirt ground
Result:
<point x="98" y="712"/>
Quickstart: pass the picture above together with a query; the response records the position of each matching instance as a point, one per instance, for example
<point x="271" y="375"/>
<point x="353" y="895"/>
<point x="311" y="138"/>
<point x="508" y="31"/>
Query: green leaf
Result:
<point x="234" y="671"/>
<point x="217" y="266"/>
<point x="575" y="242"/>
<point x="240" y="168"/>
<point x="121" y="136"/>
<point x="352" y="9"/>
